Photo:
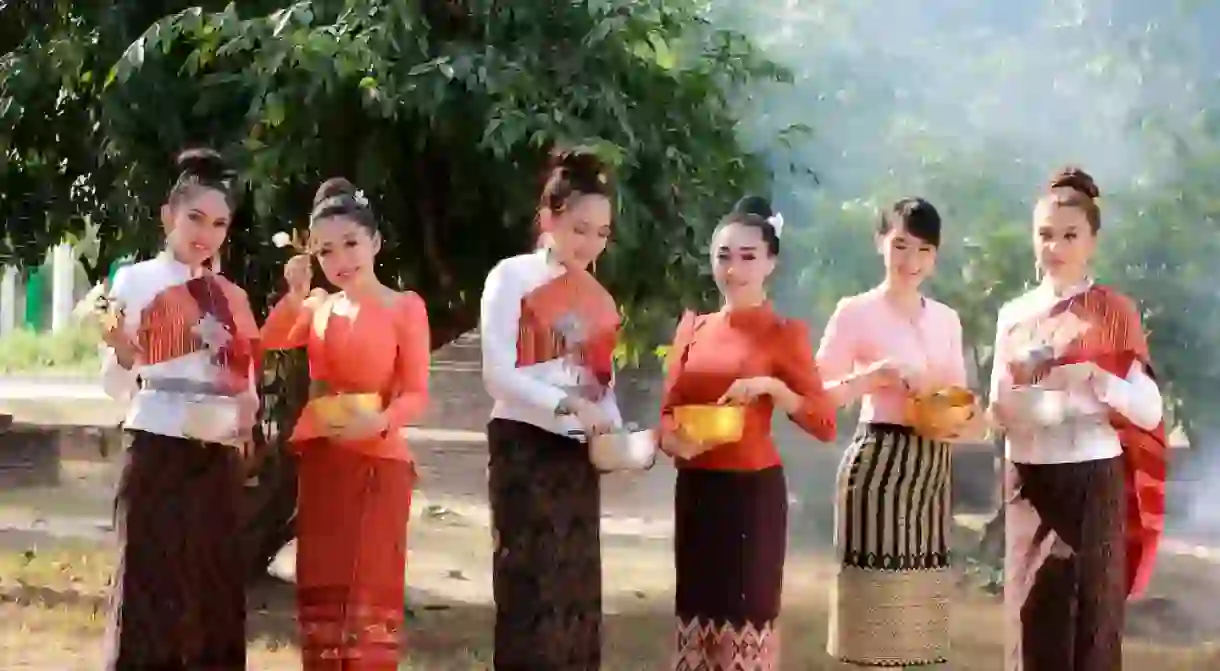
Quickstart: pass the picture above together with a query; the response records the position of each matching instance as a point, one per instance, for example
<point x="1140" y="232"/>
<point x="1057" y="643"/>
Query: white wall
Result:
<point x="67" y="287"/>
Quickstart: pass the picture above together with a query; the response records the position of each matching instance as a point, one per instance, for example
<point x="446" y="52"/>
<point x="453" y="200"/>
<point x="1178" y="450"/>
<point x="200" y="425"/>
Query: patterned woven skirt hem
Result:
<point x="894" y="664"/>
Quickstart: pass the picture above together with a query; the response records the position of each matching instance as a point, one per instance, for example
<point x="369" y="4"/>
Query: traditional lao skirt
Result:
<point x="890" y="598"/>
<point x="1065" y="571"/>
<point x="178" y="599"/>
<point x="352" y="515"/>
<point x="730" y="537"/>
<point x="546" y="570"/>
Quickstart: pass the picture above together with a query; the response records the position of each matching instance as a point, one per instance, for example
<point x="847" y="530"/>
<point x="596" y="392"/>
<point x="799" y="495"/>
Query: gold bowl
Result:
<point x="711" y="424"/>
<point x="338" y="409"/>
<point x="941" y="413"/>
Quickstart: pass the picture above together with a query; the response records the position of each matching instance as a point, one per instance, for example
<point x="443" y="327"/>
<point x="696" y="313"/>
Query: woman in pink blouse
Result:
<point x="890" y="602"/>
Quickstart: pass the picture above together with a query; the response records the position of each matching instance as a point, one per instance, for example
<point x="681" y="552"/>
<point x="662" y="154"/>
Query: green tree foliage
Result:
<point x="441" y="111"/>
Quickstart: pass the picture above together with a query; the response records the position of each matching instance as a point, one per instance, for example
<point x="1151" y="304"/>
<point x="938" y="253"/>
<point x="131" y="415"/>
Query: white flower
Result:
<point x="361" y="199"/>
<point x="93" y="303"/>
<point x="281" y="239"/>
<point x="212" y="333"/>
<point x="777" y="222"/>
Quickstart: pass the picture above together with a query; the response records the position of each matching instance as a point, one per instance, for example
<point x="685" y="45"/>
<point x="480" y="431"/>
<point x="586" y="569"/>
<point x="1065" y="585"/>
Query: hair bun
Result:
<point x="556" y="158"/>
<point x="202" y="164"/>
<point x="579" y="165"/>
<point x="1072" y="177"/>
<point x="332" y="188"/>
<point x="755" y="205"/>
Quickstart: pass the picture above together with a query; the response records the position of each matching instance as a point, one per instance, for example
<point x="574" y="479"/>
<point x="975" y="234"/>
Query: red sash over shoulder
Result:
<point x="571" y="315"/>
<point x="1114" y="341"/>
<point x="208" y="313"/>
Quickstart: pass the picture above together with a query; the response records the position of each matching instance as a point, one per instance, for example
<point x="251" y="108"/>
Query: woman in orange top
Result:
<point x="731" y="500"/>
<point x="355" y="478"/>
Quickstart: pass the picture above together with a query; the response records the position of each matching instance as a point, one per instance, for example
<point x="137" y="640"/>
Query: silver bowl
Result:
<point x="623" y="450"/>
<point x="1039" y="405"/>
<point x="211" y="419"/>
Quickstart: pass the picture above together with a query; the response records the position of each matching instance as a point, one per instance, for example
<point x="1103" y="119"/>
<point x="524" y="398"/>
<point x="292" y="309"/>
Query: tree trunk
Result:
<point x="271" y="509"/>
<point x="271" y="503"/>
<point x="992" y="544"/>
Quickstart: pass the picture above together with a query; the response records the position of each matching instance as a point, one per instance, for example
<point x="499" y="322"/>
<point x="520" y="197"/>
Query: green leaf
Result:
<point x="273" y="107"/>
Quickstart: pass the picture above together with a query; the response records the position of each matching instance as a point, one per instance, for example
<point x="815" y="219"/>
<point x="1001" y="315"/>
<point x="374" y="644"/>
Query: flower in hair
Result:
<point x="777" y="222"/>
<point x="360" y="198"/>
<point x="293" y="240"/>
<point x="601" y="178"/>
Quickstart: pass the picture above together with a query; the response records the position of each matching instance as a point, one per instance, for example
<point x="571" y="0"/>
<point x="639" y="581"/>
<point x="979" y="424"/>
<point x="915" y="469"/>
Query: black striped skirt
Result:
<point x="730" y="538"/>
<point x="890" y="598"/>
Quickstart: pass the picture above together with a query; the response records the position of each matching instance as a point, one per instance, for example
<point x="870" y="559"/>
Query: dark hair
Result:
<point x="203" y="168"/>
<point x="916" y="216"/>
<point x="338" y="197"/>
<point x="754" y="212"/>
<point x="1073" y="187"/>
<point x="572" y="172"/>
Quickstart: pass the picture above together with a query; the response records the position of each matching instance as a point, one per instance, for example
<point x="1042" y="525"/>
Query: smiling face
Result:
<point x="580" y="231"/>
<point x="741" y="263"/>
<point x="345" y="250"/>
<point x="909" y="260"/>
<point x="196" y="224"/>
<point x="1063" y="240"/>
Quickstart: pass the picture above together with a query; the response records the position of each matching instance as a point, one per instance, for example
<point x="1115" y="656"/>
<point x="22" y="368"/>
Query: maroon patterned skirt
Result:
<point x="546" y="567"/>
<point x="178" y="600"/>
<point x="730" y="538"/>
<point x="1065" y="585"/>
<point x="352" y="519"/>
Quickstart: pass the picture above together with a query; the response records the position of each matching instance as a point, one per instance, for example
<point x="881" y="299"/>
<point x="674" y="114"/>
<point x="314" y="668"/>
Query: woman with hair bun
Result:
<point x="182" y="351"/>
<point x="731" y="499"/>
<point x="891" y="593"/>
<point x="369" y="352"/>
<point x="548" y="331"/>
<point x="1085" y="472"/>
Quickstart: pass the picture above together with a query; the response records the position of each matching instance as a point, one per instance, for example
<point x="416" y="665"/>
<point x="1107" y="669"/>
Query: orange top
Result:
<point x="712" y="351"/>
<point x="377" y="347"/>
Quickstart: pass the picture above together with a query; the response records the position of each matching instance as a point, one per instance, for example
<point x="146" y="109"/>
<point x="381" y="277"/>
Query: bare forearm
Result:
<point x="847" y="390"/>
<point x="785" y="399"/>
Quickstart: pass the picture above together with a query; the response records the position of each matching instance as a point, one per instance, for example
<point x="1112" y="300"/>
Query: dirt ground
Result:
<point x="56" y="554"/>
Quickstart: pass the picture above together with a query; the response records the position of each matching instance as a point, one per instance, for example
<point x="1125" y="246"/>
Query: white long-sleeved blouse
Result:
<point x="190" y="325"/>
<point x="528" y="386"/>
<point x="1085" y="433"/>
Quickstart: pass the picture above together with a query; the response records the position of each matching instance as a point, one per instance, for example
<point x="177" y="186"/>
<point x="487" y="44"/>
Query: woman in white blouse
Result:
<point x="182" y="349"/>
<point x="548" y="330"/>
<point x="1073" y="389"/>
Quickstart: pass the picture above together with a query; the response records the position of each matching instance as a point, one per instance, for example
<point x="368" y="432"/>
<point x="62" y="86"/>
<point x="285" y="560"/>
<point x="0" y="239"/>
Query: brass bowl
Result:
<point x="711" y="424"/>
<point x="338" y="409"/>
<point x="941" y="413"/>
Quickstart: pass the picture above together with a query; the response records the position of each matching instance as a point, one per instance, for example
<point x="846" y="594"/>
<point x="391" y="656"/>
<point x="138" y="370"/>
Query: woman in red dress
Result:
<point x="356" y="472"/>
<point x="731" y="500"/>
